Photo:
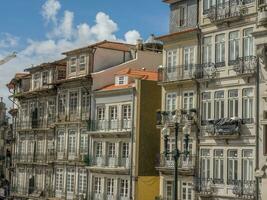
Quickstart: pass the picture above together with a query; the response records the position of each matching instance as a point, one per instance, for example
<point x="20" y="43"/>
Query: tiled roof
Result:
<point x="116" y="87"/>
<point x="139" y="73"/>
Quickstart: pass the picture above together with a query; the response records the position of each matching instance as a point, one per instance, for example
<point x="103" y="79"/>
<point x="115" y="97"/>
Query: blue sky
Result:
<point x="40" y="30"/>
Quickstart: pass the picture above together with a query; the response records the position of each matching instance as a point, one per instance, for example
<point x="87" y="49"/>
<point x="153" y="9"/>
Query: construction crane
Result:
<point x="8" y="58"/>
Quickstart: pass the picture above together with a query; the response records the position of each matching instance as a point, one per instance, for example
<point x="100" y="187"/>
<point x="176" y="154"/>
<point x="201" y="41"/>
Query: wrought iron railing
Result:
<point x="31" y="157"/>
<point x="184" y="162"/>
<point x="204" y="186"/>
<point x="27" y="191"/>
<point x="110" y="125"/>
<point x="105" y="161"/>
<point x="246" y="65"/>
<point x="35" y="124"/>
<point x="225" y="11"/>
<point x="245" y="188"/>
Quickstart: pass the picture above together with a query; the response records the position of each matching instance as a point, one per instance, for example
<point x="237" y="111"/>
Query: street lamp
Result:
<point x="177" y="117"/>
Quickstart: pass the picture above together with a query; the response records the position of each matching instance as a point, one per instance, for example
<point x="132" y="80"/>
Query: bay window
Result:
<point x="247" y="42"/>
<point x="207" y="49"/>
<point x="247" y="165"/>
<point x="205" y="162"/>
<point x="233" y="103"/>
<point x="220" y="50"/>
<point x="218" y="166"/>
<point x="233" y="46"/>
<point x="248" y="104"/>
<point x="219" y="104"/>
<point x="206" y="106"/>
<point x="232" y="160"/>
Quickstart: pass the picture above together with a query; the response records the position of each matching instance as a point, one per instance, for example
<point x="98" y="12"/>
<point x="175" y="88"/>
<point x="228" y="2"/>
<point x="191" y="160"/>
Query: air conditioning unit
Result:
<point x="262" y="17"/>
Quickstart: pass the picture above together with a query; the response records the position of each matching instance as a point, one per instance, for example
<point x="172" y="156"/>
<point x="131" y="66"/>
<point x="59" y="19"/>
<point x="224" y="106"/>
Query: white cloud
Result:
<point x="132" y="36"/>
<point x="62" y="36"/>
<point x="7" y="40"/>
<point x="50" y="10"/>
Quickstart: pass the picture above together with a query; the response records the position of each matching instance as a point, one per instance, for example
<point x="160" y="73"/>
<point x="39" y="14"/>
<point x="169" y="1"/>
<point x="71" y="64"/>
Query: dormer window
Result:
<point x="73" y="61"/>
<point x="121" y="80"/>
<point x="45" y="78"/>
<point x="82" y="62"/>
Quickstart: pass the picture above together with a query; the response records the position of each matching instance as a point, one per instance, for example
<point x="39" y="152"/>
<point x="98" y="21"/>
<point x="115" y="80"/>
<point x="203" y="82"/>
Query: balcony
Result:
<point x="246" y="66"/>
<point x="34" y="124"/>
<point x="207" y="188"/>
<point x="177" y="73"/>
<point x="34" y="192"/>
<point x="186" y="165"/>
<point x="29" y="158"/>
<point x="231" y="10"/>
<point x="107" y="127"/>
<point x="101" y="196"/>
<point x="107" y="162"/>
<point x="224" y="128"/>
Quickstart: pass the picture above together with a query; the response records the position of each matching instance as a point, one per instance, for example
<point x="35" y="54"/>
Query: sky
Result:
<point x="40" y="30"/>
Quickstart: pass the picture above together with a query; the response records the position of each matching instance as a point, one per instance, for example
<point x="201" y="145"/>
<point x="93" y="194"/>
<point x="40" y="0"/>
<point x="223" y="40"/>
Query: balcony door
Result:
<point x="111" y="152"/>
<point x="189" y="60"/>
<point x="125" y="161"/>
<point x="171" y="65"/>
<point x="110" y="188"/>
<point x="168" y="194"/>
<point x="113" y="117"/>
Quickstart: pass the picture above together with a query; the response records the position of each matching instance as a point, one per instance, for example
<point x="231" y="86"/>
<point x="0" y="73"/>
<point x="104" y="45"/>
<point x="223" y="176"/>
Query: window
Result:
<point x="36" y="80"/>
<point x="247" y="42"/>
<point x="233" y="103"/>
<point x="45" y="78"/>
<point x="205" y="163"/>
<point x="125" y="150"/>
<point x="188" y="58"/>
<point x="40" y="147"/>
<point x="182" y="13"/>
<point x="85" y="101"/>
<point x="60" y="142"/>
<point x="73" y="64"/>
<point x="124" y="188"/>
<point x="113" y="112"/>
<point x="121" y="80"/>
<point x="220" y="49"/>
<point x="186" y="191"/>
<point x="207" y="4"/>
<point x="170" y="148"/>
<point x="248" y="104"/>
<point x="84" y="142"/>
<point x="218" y="166"/>
<point x="70" y="180"/>
<point x="111" y="150"/>
<point x="100" y="113"/>
<point x="207" y="54"/>
<point x="188" y="100"/>
<point x="206" y="106"/>
<point x="233" y="46"/>
<point x="232" y="161"/>
<point x="126" y="112"/>
<point x="73" y="102"/>
<point x="247" y="165"/>
<point x="62" y="104"/>
<point x="82" y="62"/>
<point x="170" y="101"/>
<point x="169" y="190"/>
<point x="98" y="152"/>
<point x="97" y="185"/>
<point x="72" y="142"/>
<point x="110" y="186"/>
<point x="82" y="181"/>
<point x="219" y="104"/>
<point x="59" y="179"/>
<point x="171" y="61"/>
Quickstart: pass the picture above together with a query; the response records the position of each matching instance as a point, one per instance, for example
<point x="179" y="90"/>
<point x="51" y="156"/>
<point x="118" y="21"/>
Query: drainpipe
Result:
<point x="257" y="123"/>
<point x="132" y="141"/>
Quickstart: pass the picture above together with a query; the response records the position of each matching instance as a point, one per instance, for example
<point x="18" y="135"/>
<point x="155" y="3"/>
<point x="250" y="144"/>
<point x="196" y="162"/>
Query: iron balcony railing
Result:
<point x="35" y="124"/>
<point x="27" y="191"/>
<point x="177" y="73"/>
<point x="37" y="157"/>
<point x="246" y="65"/>
<point x="184" y="162"/>
<point x="226" y="11"/>
<point x="105" y="161"/>
<point x="101" y="196"/>
<point x="245" y="189"/>
<point x="110" y="125"/>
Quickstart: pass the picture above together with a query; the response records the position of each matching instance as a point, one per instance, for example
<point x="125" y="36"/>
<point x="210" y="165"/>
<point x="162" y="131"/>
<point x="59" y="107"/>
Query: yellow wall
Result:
<point x="147" y="187"/>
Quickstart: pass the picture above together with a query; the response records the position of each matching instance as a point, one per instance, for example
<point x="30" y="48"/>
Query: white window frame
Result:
<point x="82" y="65"/>
<point x="72" y="142"/>
<point x="124" y="188"/>
<point x="82" y="182"/>
<point x="111" y="150"/>
<point x="98" y="149"/>
<point x="234" y="46"/>
<point x="188" y="100"/>
<point x="233" y="103"/>
<point x="187" y="191"/>
<point x="207" y="49"/>
<point x="171" y="61"/>
<point x="247" y="165"/>
<point x="70" y="185"/>
<point x="206" y="106"/>
<point x="218" y="166"/>
<point x="73" y="102"/>
<point x="189" y="58"/>
<point x="73" y="65"/>
<point x="219" y="104"/>
<point x="61" y="141"/>
<point x="232" y="166"/>
<point x="110" y="186"/>
<point x="248" y="41"/>
<point x="45" y="79"/>
<point x="248" y="103"/>
<point x="205" y="163"/>
<point x="59" y="179"/>
<point x="84" y="142"/>
<point x="171" y="99"/>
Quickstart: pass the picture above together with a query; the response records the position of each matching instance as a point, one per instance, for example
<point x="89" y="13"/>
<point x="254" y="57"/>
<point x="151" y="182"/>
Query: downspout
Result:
<point x="257" y="124"/>
<point x="132" y="141"/>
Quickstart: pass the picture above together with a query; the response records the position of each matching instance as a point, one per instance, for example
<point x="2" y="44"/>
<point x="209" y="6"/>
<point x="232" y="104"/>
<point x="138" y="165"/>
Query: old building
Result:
<point x="52" y="108"/>
<point x="179" y="99"/>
